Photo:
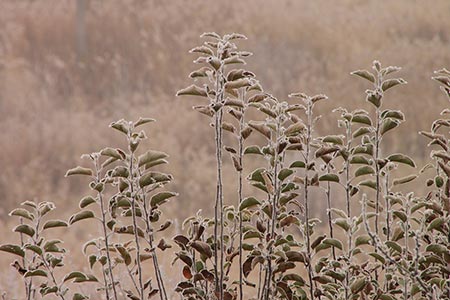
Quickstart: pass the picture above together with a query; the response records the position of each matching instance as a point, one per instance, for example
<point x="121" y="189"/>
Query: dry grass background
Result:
<point x="56" y="101"/>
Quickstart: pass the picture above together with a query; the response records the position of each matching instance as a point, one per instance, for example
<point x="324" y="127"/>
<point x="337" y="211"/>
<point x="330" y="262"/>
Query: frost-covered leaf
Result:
<point x="35" y="273"/>
<point x="21" y="212"/>
<point x="389" y="83"/>
<point x="54" y="223"/>
<point x="87" y="214"/>
<point x="13" y="249"/>
<point x="387" y="125"/>
<point x="404" y="180"/>
<point x="203" y="248"/>
<point x="285" y="173"/>
<point x="143" y="121"/>
<point x="74" y="275"/>
<point x="401" y="158"/>
<point x="333" y="242"/>
<point x="25" y="229"/>
<point x="85" y="201"/>
<point x="79" y="171"/>
<point x="297" y="164"/>
<point x="161" y="198"/>
<point x="362" y="240"/>
<point x="150" y="156"/>
<point x="248" y="202"/>
<point x="364" y="74"/>
<point x="192" y="90"/>
<point x="334" y="139"/>
<point x="365" y="170"/>
<point x="329" y="177"/>
<point x="253" y="150"/>
<point x="368" y="183"/>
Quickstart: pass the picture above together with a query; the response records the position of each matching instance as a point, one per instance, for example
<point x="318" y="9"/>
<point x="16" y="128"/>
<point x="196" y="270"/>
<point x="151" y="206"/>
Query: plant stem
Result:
<point x="306" y="187"/>
<point x="149" y="230"/>
<point x="330" y="224"/>
<point x="377" y="168"/>
<point x="135" y="226"/>
<point x="240" y="197"/>
<point x="105" y="236"/>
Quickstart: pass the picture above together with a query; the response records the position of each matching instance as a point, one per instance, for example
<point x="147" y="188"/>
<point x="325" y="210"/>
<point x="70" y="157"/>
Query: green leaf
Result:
<point x="25" y="229"/>
<point x="78" y="296"/>
<point x="87" y="214"/>
<point x="365" y="170"/>
<point x="359" y="159"/>
<point x="386" y="297"/>
<point x="151" y="156"/>
<point x="334" y="139"/>
<point x="88" y="278"/>
<point x="436" y="224"/>
<point x="387" y="84"/>
<point x="436" y="248"/>
<point x="374" y="97"/>
<point x="111" y="152"/>
<point x="14" y="249"/>
<point x="124" y="254"/>
<point x="333" y="242"/>
<point x="257" y="176"/>
<point x="34" y="273"/>
<point x="51" y="246"/>
<point x="341" y="222"/>
<point x="253" y="150"/>
<point x="358" y="285"/>
<point x="161" y="198"/>
<point x="388" y="125"/>
<point x="329" y="177"/>
<point x="361" y="131"/>
<point x="294" y="277"/>
<point x="339" y="212"/>
<point x="285" y="173"/>
<point x="79" y="171"/>
<point x="401" y="215"/>
<point x="34" y="248"/>
<point x="21" y="212"/>
<point x="85" y="201"/>
<point x="154" y="177"/>
<point x="394" y="246"/>
<point x="362" y="240"/>
<point x="439" y="181"/>
<point x="54" y="223"/>
<point x="364" y="74"/>
<point x="394" y="114"/>
<point x="401" y="158"/>
<point x="297" y="164"/>
<point x="92" y="260"/>
<point x="74" y="275"/>
<point x="369" y="183"/>
<point x="361" y="119"/>
<point x="378" y="257"/>
<point x="248" y="202"/>
<point x="404" y="180"/>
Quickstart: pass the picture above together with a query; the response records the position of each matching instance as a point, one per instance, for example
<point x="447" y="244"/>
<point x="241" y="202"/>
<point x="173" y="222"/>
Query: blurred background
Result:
<point x="70" y="68"/>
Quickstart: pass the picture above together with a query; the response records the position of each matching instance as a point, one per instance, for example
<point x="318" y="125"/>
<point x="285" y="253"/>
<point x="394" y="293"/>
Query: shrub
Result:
<point x="266" y="245"/>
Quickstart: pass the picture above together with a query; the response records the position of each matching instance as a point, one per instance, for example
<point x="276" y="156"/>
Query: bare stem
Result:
<point x="105" y="236"/>
<point x="306" y="187"/>
<point x="135" y="228"/>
